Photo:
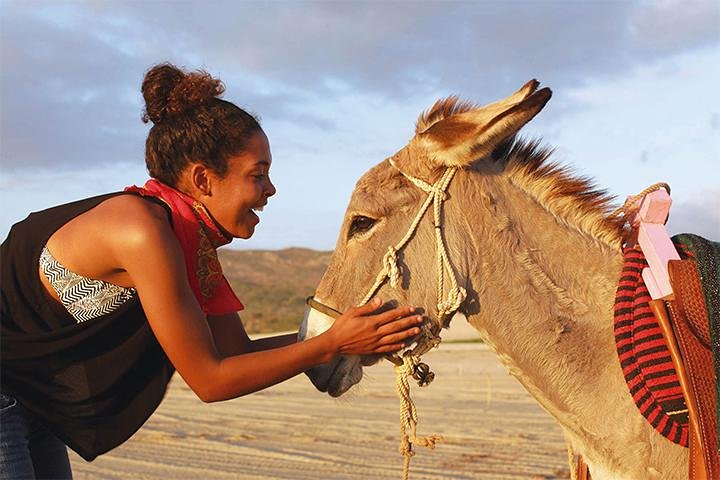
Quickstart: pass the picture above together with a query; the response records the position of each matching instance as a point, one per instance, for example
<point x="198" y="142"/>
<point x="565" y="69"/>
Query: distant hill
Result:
<point x="273" y="284"/>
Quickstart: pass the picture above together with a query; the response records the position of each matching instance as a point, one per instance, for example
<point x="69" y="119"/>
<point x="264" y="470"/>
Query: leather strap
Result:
<point x="322" y="308"/>
<point x="691" y="329"/>
<point x="661" y="313"/>
<point x="583" y="473"/>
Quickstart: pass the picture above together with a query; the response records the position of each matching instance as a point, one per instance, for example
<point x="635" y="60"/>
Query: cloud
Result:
<point x="659" y="26"/>
<point x="66" y="97"/>
<point x="403" y="47"/>
<point x="71" y="71"/>
<point x="699" y="214"/>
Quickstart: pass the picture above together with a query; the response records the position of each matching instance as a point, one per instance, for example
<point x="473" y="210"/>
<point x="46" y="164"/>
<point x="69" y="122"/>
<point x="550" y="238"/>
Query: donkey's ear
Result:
<point x="462" y="138"/>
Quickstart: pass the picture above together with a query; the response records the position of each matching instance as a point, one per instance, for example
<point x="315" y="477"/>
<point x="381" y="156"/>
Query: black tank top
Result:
<point x="93" y="384"/>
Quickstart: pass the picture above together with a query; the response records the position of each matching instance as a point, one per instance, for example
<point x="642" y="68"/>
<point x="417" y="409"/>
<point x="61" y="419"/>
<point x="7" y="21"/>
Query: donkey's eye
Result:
<point x="360" y="224"/>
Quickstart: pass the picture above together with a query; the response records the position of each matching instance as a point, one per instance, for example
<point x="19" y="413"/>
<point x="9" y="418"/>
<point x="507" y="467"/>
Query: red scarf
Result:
<point x="199" y="238"/>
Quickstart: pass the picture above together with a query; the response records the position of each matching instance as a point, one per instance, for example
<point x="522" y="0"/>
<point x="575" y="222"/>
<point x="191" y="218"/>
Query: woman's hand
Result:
<point x="360" y="331"/>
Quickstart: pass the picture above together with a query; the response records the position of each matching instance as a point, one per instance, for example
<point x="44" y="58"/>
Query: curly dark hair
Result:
<point x="191" y="122"/>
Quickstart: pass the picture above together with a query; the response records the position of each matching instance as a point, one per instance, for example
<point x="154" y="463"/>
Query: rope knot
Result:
<point x="391" y="268"/>
<point x="406" y="448"/>
<point x="439" y="193"/>
<point x="456" y="296"/>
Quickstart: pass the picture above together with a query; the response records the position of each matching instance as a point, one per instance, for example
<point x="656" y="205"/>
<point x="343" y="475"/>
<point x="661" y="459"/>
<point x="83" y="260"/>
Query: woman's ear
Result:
<point x="199" y="179"/>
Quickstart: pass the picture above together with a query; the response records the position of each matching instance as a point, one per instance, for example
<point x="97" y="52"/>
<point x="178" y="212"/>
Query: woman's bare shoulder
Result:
<point x="132" y="218"/>
<point x="100" y="242"/>
<point x="136" y="205"/>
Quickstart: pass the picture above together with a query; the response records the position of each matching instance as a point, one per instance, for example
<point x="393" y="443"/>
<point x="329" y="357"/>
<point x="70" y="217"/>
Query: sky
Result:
<point x="339" y="85"/>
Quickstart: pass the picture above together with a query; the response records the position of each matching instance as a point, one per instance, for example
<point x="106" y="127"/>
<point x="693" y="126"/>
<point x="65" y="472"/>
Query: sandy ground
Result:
<point x="493" y="430"/>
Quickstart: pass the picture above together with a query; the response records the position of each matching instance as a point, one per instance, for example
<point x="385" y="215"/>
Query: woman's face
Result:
<point x="245" y="187"/>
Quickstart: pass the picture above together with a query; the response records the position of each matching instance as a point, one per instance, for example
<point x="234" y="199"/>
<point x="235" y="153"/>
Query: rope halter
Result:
<point x="436" y="196"/>
<point x="409" y="364"/>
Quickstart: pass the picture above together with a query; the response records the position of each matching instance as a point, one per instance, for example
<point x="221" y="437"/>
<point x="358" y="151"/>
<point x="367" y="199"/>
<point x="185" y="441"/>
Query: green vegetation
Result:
<point x="273" y="284"/>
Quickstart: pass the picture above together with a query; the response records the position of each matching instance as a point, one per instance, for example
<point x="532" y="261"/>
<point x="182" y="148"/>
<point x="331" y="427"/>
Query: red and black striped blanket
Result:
<point x="643" y="353"/>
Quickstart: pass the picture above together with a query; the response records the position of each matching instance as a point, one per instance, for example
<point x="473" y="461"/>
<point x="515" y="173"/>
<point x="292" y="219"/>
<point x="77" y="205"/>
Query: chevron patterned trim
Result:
<point x="84" y="298"/>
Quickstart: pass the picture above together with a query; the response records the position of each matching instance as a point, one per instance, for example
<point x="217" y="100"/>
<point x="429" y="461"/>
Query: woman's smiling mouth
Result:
<point x="254" y="211"/>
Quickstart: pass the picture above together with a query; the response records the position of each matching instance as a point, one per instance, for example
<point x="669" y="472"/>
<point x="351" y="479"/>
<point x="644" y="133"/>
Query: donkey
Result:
<point x="538" y="259"/>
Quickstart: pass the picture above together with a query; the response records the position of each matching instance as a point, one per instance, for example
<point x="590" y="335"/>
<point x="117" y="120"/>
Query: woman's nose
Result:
<point x="270" y="190"/>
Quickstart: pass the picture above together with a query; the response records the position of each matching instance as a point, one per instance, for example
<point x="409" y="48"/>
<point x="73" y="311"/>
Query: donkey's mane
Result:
<point x="575" y="200"/>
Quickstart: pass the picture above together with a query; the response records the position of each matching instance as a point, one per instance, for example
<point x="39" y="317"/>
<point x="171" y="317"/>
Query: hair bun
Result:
<point x="169" y="91"/>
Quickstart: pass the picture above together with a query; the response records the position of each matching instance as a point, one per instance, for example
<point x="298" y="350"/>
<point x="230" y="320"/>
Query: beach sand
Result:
<point x="493" y="430"/>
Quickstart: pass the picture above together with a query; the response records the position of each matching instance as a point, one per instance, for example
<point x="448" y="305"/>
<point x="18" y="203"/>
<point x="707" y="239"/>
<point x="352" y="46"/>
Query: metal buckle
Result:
<point x="423" y="375"/>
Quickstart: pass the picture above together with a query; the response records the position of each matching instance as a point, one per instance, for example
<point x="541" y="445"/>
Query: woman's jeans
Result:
<point x="28" y="450"/>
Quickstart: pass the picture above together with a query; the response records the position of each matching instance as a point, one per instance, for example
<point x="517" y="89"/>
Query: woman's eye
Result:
<point x="360" y="224"/>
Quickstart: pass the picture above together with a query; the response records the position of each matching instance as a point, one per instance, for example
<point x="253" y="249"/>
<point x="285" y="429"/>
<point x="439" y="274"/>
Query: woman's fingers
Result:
<point x="368" y="308"/>
<point x="390" y="348"/>
<point x="400" y="324"/>
<point x="399" y="336"/>
<point x="361" y="331"/>
<point x="392" y="315"/>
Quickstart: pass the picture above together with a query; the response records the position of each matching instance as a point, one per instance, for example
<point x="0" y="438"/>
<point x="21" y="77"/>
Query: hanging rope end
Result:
<point x="429" y="441"/>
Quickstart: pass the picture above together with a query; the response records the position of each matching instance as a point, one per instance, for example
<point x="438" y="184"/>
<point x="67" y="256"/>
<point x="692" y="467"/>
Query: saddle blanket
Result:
<point x="643" y="353"/>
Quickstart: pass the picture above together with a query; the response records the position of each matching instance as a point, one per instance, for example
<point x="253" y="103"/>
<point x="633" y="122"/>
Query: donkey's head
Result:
<point x="385" y="203"/>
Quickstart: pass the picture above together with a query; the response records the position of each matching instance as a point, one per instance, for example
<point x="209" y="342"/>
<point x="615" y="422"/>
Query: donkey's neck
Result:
<point x="542" y="294"/>
<point x="545" y="290"/>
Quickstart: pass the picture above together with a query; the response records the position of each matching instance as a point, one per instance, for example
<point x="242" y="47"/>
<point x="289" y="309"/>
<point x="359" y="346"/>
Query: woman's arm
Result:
<point x="145" y="246"/>
<point x="232" y="339"/>
<point x="275" y="341"/>
<point x="229" y="334"/>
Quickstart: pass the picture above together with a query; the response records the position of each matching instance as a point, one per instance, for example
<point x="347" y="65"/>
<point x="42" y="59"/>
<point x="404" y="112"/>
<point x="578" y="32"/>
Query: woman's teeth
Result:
<point x="257" y="209"/>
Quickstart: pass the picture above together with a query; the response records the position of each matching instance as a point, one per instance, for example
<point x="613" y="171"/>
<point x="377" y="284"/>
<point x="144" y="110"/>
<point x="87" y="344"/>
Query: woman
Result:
<point x="102" y="299"/>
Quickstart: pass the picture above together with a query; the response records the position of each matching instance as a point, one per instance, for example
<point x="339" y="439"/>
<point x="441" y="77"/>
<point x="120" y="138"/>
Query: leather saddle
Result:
<point x="684" y="320"/>
<point x="688" y="312"/>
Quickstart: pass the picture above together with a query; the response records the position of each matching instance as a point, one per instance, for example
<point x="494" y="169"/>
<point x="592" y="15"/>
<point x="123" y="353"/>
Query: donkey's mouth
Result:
<point x="347" y="373"/>
<point x="321" y="375"/>
<point x="336" y="377"/>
